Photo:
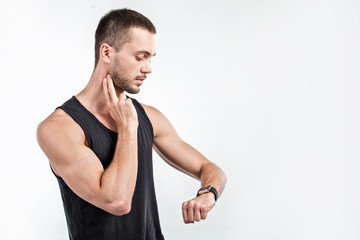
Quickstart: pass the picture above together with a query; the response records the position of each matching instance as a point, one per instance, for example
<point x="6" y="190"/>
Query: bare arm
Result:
<point x="63" y="142"/>
<point x="185" y="158"/>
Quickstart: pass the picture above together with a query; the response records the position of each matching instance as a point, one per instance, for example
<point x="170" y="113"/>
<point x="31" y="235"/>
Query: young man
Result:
<point x="99" y="143"/>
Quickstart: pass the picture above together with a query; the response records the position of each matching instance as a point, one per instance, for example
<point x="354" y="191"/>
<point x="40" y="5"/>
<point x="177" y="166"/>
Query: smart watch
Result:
<point x="207" y="189"/>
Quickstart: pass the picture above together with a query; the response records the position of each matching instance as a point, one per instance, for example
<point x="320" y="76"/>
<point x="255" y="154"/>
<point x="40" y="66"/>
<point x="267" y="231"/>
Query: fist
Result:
<point x="198" y="208"/>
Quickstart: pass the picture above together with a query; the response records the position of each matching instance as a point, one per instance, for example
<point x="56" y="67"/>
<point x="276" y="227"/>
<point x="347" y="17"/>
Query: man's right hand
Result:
<point x="121" y="109"/>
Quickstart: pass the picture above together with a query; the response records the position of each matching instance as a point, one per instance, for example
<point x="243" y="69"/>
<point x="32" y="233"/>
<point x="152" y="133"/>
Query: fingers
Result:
<point x="184" y="211"/>
<point x="106" y="91"/>
<point x="190" y="212"/>
<point x="197" y="214"/>
<point x="203" y="215"/>
<point x="111" y="88"/>
<point x="122" y="96"/>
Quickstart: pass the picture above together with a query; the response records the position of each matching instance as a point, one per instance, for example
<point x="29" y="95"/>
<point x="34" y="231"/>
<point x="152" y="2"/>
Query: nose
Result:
<point x="146" y="68"/>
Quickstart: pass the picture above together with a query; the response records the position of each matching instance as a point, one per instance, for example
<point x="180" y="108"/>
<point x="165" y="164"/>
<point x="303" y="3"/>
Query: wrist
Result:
<point x="127" y="132"/>
<point x="208" y="189"/>
<point x="209" y="196"/>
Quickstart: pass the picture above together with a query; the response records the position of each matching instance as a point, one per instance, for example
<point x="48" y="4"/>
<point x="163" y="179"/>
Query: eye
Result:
<point x="140" y="58"/>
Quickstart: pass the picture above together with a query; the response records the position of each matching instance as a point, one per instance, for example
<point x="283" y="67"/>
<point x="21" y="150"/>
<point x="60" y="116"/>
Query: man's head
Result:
<point x="124" y="42"/>
<point x="114" y="28"/>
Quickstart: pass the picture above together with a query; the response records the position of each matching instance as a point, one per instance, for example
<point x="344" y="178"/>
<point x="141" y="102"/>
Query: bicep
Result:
<point x="172" y="148"/>
<point x="75" y="163"/>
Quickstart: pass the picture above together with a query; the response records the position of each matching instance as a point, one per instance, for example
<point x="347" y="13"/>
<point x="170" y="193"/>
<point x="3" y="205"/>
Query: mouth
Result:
<point x="140" y="79"/>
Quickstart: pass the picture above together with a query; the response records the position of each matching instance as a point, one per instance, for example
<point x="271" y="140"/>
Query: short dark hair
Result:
<point x="114" y="27"/>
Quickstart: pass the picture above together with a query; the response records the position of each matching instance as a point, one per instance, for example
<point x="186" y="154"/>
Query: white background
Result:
<point x="268" y="90"/>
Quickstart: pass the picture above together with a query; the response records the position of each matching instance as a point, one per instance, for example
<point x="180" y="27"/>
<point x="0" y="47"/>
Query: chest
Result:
<point x="103" y="140"/>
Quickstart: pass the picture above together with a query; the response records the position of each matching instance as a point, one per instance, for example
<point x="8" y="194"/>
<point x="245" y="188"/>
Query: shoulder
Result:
<point x="160" y="123"/>
<point x="57" y="126"/>
<point x="151" y="111"/>
<point x="56" y="121"/>
<point x="154" y="114"/>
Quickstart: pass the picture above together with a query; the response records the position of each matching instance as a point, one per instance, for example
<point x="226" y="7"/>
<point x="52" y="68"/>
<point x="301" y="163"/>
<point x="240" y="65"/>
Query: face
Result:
<point x="131" y="64"/>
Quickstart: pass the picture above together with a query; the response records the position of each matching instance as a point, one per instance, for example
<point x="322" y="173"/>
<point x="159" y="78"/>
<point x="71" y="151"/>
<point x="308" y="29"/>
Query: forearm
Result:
<point x="118" y="180"/>
<point x="211" y="174"/>
<point x="197" y="208"/>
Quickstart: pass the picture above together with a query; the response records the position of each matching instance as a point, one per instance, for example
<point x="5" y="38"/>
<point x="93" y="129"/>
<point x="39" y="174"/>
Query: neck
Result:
<point x="92" y="96"/>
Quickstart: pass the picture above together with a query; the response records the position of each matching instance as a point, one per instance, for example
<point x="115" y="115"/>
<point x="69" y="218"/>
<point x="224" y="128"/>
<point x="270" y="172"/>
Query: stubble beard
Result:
<point x="122" y="80"/>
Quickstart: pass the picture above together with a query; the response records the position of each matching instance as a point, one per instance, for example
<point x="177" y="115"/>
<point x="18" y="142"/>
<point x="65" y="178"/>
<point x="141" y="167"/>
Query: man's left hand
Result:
<point x="198" y="208"/>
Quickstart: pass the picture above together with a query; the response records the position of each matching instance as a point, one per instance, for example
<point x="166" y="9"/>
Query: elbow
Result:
<point x="119" y="208"/>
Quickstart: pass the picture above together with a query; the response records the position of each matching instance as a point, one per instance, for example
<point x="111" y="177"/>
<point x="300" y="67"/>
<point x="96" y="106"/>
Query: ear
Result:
<point x="105" y="52"/>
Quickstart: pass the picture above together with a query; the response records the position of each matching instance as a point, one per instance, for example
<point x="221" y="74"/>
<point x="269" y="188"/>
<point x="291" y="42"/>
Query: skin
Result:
<point x="112" y="189"/>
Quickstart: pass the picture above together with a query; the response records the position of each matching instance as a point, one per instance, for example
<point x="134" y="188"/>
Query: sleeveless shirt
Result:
<point x="88" y="222"/>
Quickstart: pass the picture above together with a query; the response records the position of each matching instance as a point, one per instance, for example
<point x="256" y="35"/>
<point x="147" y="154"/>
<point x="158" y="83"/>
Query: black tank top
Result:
<point x="87" y="222"/>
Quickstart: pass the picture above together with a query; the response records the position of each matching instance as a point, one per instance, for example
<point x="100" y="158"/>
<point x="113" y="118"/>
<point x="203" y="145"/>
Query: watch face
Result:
<point x="203" y="191"/>
<point x="205" y="188"/>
